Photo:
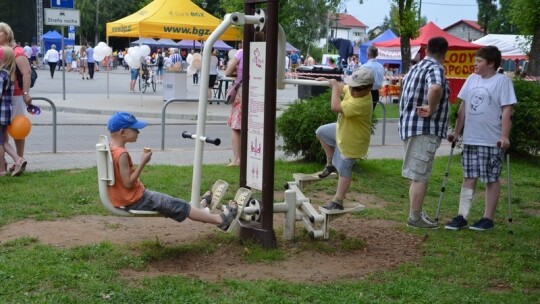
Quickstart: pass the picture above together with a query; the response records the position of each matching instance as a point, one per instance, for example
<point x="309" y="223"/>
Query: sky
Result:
<point x="442" y="12"/>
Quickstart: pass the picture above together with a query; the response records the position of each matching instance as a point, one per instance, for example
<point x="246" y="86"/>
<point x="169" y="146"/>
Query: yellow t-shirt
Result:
<point x="353" y="130"/>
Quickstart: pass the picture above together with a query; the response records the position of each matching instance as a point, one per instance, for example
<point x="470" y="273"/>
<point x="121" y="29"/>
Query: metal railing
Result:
<point x="54" y="124"/>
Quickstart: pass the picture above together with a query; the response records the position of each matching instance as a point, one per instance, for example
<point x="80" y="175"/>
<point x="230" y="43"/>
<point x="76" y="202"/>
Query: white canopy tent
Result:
<point x="512" y="47"/>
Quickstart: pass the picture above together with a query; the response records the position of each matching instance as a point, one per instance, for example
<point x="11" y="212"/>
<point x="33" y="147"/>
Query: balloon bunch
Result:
<point x="195" y="63"/>
<point x="134" y="55"/>
<point x="101" y="51"/>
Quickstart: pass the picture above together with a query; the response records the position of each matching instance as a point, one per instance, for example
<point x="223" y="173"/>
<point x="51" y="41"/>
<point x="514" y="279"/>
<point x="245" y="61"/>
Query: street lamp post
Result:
<point x="97" y="19"/>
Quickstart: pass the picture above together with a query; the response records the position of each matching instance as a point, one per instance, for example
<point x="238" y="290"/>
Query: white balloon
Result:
<point x="98" y="57"/>
<point x="98" y="50"/>
<point x="108" y="51"/>
<point x="196" y="63"/>
<point x="232" y="53"/>
<point x="191" y="70"/>
<point x="189" y="58"/>
<point x="145" y="49"/>
<point x="197" y="56"/>
<point x="101" y="44"/>
<point x="127" y="59"/>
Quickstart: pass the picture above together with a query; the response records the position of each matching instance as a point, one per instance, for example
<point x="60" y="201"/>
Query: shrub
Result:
<point x="525" y="133"/>
<point x="297" y="126"/>
<point x="298" y="123"/>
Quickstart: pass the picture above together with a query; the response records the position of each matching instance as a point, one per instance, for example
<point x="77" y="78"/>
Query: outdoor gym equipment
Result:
<point x="106" y="178"/>
<point x="298" y="208"/>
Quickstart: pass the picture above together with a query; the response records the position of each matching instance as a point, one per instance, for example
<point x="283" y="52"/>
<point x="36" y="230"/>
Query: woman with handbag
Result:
<point x="235" y="118"/>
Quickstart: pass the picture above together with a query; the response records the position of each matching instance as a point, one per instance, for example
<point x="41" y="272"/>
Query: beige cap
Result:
<point x="360" y="77"/>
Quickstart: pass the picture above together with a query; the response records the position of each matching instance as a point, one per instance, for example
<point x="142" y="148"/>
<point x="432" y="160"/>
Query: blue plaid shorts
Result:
<point x="482" y="162"/>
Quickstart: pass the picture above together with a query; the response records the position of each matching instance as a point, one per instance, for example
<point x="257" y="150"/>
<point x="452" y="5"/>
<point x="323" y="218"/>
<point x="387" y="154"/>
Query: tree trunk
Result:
<point x="405" y="54"/>
<point x="534" y="56"/>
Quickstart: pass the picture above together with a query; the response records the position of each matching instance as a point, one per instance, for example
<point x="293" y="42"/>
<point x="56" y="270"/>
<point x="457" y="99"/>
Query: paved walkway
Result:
<point x="83" y="113"/>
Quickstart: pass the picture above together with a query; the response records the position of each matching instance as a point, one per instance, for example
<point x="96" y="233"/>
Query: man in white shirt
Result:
<point x="28" y="52"/>
<point x="378" y="72"/>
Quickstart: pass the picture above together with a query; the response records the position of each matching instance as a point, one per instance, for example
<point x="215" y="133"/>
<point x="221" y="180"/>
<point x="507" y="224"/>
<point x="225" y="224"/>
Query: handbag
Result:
<point x="33" y="77"/>
<point x="231" y="93"/>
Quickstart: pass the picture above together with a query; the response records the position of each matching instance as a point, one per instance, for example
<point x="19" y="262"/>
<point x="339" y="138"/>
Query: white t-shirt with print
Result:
<point x="484" y="99"/>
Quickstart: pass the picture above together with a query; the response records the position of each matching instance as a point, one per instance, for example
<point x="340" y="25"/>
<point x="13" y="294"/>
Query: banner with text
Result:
<point x="460" y="63"/>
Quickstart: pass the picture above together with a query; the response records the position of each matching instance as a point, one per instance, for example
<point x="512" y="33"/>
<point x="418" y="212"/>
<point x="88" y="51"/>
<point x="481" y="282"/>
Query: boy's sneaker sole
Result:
<point x="480" y="229"/>
<point x="454" y="228"/>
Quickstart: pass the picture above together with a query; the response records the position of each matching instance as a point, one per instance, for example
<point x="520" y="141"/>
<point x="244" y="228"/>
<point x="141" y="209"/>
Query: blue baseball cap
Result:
<point x="124" y="120"/>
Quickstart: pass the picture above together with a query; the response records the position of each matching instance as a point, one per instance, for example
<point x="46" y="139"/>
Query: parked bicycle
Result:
<point x="147" y="77"/>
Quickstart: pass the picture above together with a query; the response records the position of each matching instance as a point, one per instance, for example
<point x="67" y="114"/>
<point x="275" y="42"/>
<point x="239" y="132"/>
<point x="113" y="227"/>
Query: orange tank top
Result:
<point x="118" y="194"/>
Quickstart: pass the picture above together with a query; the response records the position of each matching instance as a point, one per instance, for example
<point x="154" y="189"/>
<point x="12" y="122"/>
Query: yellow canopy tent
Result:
<point x="174" y="19"/>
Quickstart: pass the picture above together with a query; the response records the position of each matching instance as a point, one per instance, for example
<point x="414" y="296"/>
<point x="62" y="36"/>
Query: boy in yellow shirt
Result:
<point x="348" y="139"/>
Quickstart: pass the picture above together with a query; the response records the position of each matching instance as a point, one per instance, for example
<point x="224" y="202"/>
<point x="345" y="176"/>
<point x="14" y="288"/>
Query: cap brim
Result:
<point x="349" y="81"/>
<point x="139" y="125"/>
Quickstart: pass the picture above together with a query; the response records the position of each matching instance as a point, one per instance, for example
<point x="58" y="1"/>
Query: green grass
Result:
<point x="457" y="267"/>
<point x="392" y="111"/>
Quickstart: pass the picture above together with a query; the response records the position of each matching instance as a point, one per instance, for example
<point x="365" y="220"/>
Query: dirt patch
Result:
<point x="386" y="247"/>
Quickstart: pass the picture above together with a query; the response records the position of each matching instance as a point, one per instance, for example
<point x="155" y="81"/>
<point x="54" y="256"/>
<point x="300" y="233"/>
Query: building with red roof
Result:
<point x="467" y="30"/>
<point x="346" y="26"/>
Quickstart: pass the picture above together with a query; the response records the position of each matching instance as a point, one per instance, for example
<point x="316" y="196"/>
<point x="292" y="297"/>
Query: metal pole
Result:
<point x="63" y="70"/>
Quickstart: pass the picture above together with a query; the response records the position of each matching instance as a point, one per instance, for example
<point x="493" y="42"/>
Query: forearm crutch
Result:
<point x="445" y="179"/>
<point x="509" y="193"/>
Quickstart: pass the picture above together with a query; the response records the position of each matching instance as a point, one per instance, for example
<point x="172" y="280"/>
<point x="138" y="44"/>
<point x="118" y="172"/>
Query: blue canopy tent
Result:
<point x="290" y="48"/>
<point x="147" y="41"/>
<point x="222" y="46"/>
<point x="188" y="44"/>
<point x="166" y="43"/>
<point x="53" y="37"/>
<point x="386" y="35"/>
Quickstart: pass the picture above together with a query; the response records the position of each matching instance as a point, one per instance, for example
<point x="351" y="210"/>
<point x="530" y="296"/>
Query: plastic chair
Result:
<point x="105" y="171"/>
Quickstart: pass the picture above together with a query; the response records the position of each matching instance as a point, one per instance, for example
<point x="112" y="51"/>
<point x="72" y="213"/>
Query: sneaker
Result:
<point x="457" y="223"/>
<point x="327" y="171"/>
<point x="423" y="222"/>
<point x="483" y="224"/>
<point x="20" y="166"/>
<point x="333" y="206"/>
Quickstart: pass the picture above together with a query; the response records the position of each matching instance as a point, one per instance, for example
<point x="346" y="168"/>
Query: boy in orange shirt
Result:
<point x="129" y="192"/>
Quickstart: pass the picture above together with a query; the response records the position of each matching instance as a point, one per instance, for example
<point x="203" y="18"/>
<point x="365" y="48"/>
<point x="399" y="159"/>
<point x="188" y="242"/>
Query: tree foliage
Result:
<point x="487" y="10"/>
<point x="501" y="23"/>
<point x="525" y="16"/>
<point x="407" y="25"/>
<point x="108" y="10"/>
<point x="304" y="22"/>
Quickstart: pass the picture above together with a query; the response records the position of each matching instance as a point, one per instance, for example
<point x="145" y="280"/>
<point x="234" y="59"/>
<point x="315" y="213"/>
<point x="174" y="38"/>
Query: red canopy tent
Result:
<point x="459" y="58"/>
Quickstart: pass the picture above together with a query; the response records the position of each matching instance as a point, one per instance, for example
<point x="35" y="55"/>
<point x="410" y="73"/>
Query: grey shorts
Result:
<point x="165" y="204"/>
<point x="344" y="165"/>
<point x="482" y="162"/>
<point x="419" y="155"/>
<point x="18" y="107"/>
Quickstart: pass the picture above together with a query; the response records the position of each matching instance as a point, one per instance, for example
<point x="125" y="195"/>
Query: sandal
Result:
<point x="206" y="199"/>
<point x="20" y="166"/>
<point x="229" y="217"/>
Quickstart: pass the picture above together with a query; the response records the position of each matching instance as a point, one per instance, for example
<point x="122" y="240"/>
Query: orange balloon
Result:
<point x="20" y="127"/>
